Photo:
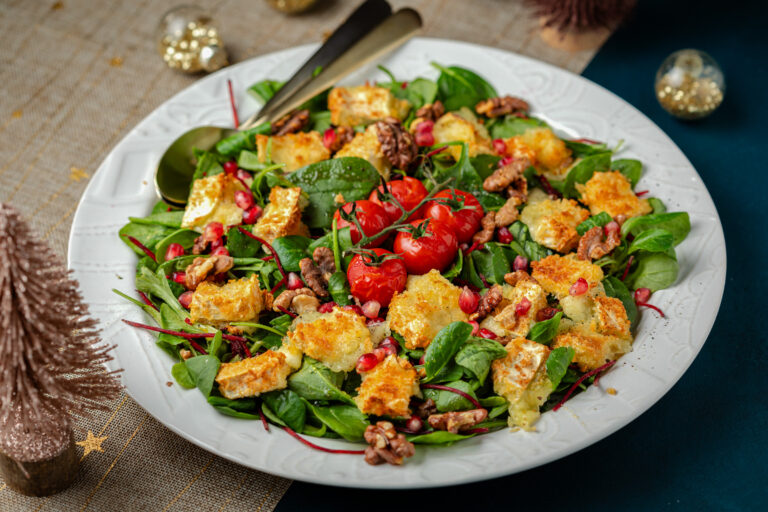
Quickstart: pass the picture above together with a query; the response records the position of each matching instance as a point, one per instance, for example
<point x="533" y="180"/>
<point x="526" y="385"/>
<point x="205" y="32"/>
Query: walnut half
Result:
<point x="396" y="143"/>
<point x="386" y="445"/>
<point x="455" y="422"/>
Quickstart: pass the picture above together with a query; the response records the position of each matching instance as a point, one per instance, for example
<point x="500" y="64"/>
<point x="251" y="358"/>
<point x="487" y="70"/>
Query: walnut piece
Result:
<point x="313" y="276"/>
<point x="304" y="304"/>
<point x="204" y="241"/>
<point x="501" y="106"/>
<point x="488" y="226"/>
<point x="386" y="445"/>
<point x="488" y="303"/>
<point x="202" y="268"/>
<point x="291" y="123"/>
<point x="506" y="175"/>
<point x="518" y="276"/>
<point x="508" y="213"/>
<point x="425" y="409"/>
<point x="431" y="111"/>
<point x="343" y="136"/>
<point x="396" y="143"/>
<point x="592" y="246"/>
<point x="285" y="299"/>
<point x="323" y="257"/>
<point x="455" y="422"/>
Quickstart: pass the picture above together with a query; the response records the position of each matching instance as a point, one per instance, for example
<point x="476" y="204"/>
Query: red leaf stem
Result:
<point x="582" y="379"/>
<point x="266" y="244"/>
<point x="289" y="313"/>
<point x="187" y="335"/>
<point x="293" y="433"/>
<point x="454" y="390"/>
<point x="142" y="247"/>
<point x="651" y="306"/>
<point x="146" y="300"/>
<point x="232" y="103"/>
<point x="548" y="187"/>
<point x="263" y="420"/>
<point x="626" y="269"/>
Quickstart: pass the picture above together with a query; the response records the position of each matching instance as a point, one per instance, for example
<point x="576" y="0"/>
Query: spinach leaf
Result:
<point x="242" y="404"/>
<point x="652" y="240"/>
<point x="264" y="90"/>
<point x="345" y="420"/>
<point x="469" y="274"/>
<point x="156" y="284"/>
<point x="271" y="416"/>
<point x="510" y="126"/>
<point x="447" y="401"/>
<point x="320" y="121"/>
<point x="208" y="165"/>
<point x="677" y="223"/>
<point x="583" y="171"/>
<point x="449" y="373"/>
<point x="419" y="92"/>
<point x="630" y="168"/>
<point x="184" y="237"/>
<point x="654" y="271"/>
<point x="181" y="263"/>
<point x="443" y="347"/>
<point x="458" y="87"/>
<point x="464" y="174"/>
<point x="170" y="219"/>
<point x="455" y="270"/>
<point x="657" y="205"/>
<point x="524" y="245"/>
<point x="182" y="375"/>
<point x="491" y="262"/>
<point x="234" y="144"/>
<point x="544" y="332"/>
<point x="557" y="364"/>
<point x="352" y="177"/>
<point x="582" y="149"/>
<point x="601" y="219"/>
<point x="203" y="370"/>
<point x="616" y="288"/>
<point x="291" y="250"/>
<point x="339" y="289"/>
<point x="315" y="381"/>
<point x="148" y="234"/>
<point x="240" y="245"/>
<point x="484" y="164"/>
<point x="229" y="411"/>
<point x="498" y="411"/>
<point x="438" y="437"/>
<point x="288" y="406"/>
<point x="477" y="355"/>
<point x="492" y="401"/>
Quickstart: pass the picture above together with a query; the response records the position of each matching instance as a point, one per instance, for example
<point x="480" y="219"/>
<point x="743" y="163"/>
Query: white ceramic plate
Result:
<point x="663" y="349"/>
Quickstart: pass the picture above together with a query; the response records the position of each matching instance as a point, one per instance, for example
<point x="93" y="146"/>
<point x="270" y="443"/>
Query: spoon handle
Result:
<point x="370" y="14"/>
<point x="390" y="34"/>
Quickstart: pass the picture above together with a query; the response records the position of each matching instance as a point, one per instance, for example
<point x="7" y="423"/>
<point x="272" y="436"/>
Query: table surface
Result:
<point x="75" y="76"/>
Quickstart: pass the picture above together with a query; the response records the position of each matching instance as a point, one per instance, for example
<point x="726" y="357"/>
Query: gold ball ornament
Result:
<point x="292" y="6"/>
<point x="690" y="84"/>
<point x="188" y="40"/>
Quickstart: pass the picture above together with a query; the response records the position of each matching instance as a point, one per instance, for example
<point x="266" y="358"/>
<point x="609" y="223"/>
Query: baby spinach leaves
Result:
<point x="345" y="420"/>
<point x="418" y="92"/>
<point x="582" y="149"/>
<point x="339" y="288"/>
<point x="288" y="406"/>
<point x="557" y="364"/>
<point x="291" y="250"/>
<point x="657" y="205"/>
<point x="203" y="370"/>
<point x="601" y="219"/>
<point x="510" y="126"/>
<point x="170" y="219"/>
<point x="182" y="375"/>
<point x="148" y="234"/>
<point x="616" y="288"/>
<point x="264" y="90"/>
<point x="447" y="401"/>
<point x="184" y="237"/>
<point x="458" y="87"/>
<point x="524" y="245"/>
<point x="477" y="355"/>
<point x="240" y="245"/>
<point x="652" y="240"/>
<point x="630" y="168"/>
<point x="654" y="271"/>
<point x="234" y="144"/>
<point x="491" y="262"/>
<point x="315" y="381"/>
<point x="444" y="346"/>
<point x="544" y="332"/>
<point x="677" y="223"/>
<point x="208" y="164"/>
<point x="441" y="437"/>
<point x="583" y="171"/>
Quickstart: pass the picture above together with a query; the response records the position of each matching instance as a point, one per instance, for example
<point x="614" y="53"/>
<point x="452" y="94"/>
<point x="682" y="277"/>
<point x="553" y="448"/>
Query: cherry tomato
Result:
<point x="372" y="217"/>
<point x="408" y="191"/>
<point x="369" y="280"/>
<point x="465" y="221"/>
<point x="435" y="248"/>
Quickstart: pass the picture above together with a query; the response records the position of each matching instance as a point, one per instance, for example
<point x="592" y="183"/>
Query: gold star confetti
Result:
<point x="77" y="174"/>
<point x="16" y="114"/>
<point x="116" y="62"/>
<point x="92" y="443"/>
<point x="57" y="5"/>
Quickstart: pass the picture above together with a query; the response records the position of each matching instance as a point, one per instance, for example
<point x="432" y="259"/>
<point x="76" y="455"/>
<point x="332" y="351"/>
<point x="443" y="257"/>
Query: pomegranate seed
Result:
<point x="424" y="135"/>
<point x="415" y="424"/>
<point x="354" y="308"/>
<point x="504" y="236"/>
<point x="469" y="300"/>
<point x="523" y="307"/>
<point x="329" y="137"/>
<point x="294" y="281"/>
<point x="179" y="277"/>
<point x="373" y="321"/>
<point x="244" y="175"/>
<point x="214" y="231"/>
<point x="367" y="362"/>
<point x="371" y="309"/>
<point x="222" y="251"/>
<point x="500" y="146"/>
<point x="520" y="263"/>
<point x="611" y="227"/>
<point x="506" y="161"/>
<point x="216" y="244"/>
<point x="404" y="85"/>
<point x="380" y="354"/>
<point x="485" y="333"/>
<point x="174" y="251"/>
<point x="475" y="327"/>
<point x="546" y="314"/>
<point x="422" y="358"/>
<point x="580" y="287"/>
<point x="389" y="341"/>
<point x="642" y="295"/>
<point x="388" y="350"/>
<point x="326" y="307"/>
<point x="251" y="215"/>
<point x="244" y="199"/>
<point x="185" y="299"/>
<point x="230" y="167"/>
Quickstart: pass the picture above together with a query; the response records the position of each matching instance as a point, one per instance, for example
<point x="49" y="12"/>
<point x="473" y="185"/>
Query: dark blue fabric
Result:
<point x="704" y="445"/>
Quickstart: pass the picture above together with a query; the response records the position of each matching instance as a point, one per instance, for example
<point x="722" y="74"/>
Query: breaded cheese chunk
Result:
<point x="521" y="378"/>
<point x="553" y="222"/>
<point x="336" y="339"/>
<point x="366" y="145"/>
<point x="254" y="375"/>
<point x="556" y="274"/>
<point x="239" y="300"/>
<point x="429" y="303"/>
<point x="592" y="349"/>
<point x="364" y="104"/>
<point x="505" y="321"/>
<point x="295" y="150"/>
<point x="212" y="199"/>
<point x="611" y="192"/>
<point x="552" y="155"/>
<point x="282" y="216"/>
<point x="452" y="127"/>
<point x="387" y="389"/>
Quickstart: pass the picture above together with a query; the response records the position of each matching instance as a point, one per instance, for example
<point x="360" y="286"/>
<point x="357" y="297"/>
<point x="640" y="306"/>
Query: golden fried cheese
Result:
<point x="521" y="378"/>
<point x="556" y="274"/>
<point x="364" y="104"/>
<point x="553" y="222"/>
<point x="282" y="216"/>
<point x="504" y="320"/>
<point x="387" y="389"/>
<point x="611" y="317"/>
<point x="239" y="300"/>
<point x="295" y="150"/>
<point x="552" y="155"/>
<point x="367" y="146"/>
<point x="429" y="303"/>
<point x="611" y="192"/>
<point x="254" y="375"/>
<point x="592" y="349"/>
<point x="453" y="127"/>
<point x="212" y="199"/>
<point x="336" y="339"/>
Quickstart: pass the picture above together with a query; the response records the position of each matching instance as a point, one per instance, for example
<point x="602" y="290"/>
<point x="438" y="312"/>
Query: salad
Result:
<point x="401" y="263"/>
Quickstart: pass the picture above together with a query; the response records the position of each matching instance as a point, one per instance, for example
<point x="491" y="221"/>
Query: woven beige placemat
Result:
<point x="75" y="76"/>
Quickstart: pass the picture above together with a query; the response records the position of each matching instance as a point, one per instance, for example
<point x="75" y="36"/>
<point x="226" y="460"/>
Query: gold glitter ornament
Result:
<point x="292" y="6"/>
<point x="188" y="41"/>
<point x="690" y="84"/>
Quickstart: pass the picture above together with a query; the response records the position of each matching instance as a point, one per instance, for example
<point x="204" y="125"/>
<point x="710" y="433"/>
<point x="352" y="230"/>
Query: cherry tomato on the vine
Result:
<point x="457" y="210"/>
<point x="376" y="279"/>
<point x="408" y="191"/>
<point x="425" y="249"/>
<point x="371" y="216"/>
